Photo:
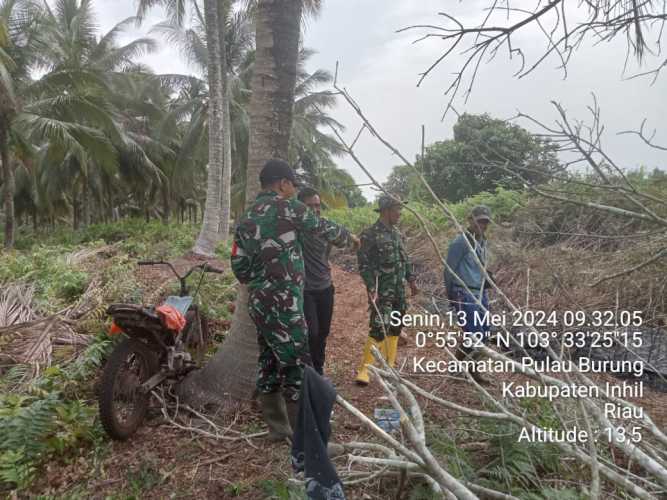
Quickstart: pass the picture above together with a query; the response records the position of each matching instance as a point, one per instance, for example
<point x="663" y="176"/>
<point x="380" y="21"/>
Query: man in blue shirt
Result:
<point x="466" y="270"/>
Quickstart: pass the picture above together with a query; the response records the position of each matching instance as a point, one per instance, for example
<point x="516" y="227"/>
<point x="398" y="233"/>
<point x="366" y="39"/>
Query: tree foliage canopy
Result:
<point x="471" y="162"/>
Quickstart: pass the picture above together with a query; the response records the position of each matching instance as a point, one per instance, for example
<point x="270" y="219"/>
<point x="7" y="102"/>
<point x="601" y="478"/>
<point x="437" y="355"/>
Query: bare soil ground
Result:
<point x="164" y="462"/>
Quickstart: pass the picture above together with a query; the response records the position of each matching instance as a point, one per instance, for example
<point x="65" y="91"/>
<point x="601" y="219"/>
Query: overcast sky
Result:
<point x="380" y="69"/>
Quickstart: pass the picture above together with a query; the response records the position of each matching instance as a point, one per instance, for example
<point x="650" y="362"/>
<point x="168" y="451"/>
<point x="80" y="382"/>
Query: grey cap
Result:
<point x="386" y="201"/>
<point x="481" y="212"/>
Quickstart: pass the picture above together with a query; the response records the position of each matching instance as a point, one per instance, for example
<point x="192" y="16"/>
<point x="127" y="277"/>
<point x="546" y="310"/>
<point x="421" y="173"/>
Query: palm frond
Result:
<point x="308" y="81"/>
<point x="108" y="40"/>
<point x="60" y="81"/>
<point x="144" y="6"/>
<point x="120" y="57"/>
<point x="77" y="109"/>
<point x="178" y="82"/>
<point x="67" y="138"/>
<point x="6" y="84"/>
<point x="189" y="42"/>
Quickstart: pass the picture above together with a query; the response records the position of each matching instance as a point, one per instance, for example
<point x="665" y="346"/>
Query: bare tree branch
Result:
<point x="598" y="20"/>
<point x="642" y="136"/>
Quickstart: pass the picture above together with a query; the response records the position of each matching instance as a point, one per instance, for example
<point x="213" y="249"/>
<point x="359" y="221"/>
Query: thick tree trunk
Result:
<point x="8" y="187"/>
<point x="232" y="371"/>
<point x="209" y="236"/>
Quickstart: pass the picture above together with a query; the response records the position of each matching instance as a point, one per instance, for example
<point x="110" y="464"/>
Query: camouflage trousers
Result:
<point x="282" y="341"/>
<point x="380" y="324"/>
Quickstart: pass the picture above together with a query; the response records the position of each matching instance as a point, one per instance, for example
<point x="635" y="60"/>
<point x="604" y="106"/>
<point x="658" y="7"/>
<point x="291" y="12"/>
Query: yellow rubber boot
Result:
<point x="392" y="349"/>
<point x="367" y="359"/>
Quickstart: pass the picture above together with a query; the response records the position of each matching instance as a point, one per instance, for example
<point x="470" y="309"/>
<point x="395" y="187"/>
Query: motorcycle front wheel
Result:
<point x="122" y="404"/>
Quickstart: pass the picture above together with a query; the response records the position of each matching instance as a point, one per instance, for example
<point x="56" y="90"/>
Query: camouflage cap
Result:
<point x="481" y="212"/>
<point x="386" y="201"/>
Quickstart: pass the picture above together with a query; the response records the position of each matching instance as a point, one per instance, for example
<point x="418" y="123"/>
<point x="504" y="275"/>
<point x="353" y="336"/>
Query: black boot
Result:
<point x="275" y="415"/>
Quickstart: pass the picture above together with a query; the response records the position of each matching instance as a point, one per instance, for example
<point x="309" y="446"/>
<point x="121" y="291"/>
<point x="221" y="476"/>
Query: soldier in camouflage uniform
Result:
<point x="384" y="266"/>
<point x="267" y="257"/>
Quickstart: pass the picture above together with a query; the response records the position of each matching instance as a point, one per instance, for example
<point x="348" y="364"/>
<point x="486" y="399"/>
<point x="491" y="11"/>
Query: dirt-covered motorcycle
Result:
<point x="155" y="351"/>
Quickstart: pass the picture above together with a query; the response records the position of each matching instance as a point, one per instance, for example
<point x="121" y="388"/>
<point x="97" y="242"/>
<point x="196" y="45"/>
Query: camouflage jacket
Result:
<point x="267" y="250"/>
<point x="382" y="257"/>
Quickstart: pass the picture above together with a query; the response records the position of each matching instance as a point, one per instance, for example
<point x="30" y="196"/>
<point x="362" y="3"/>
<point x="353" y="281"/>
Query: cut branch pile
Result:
<point x="15" y="304"/>
<point x="416" y="460"/>
<point x="637" y="468"/>
<point x="29" y="338"/>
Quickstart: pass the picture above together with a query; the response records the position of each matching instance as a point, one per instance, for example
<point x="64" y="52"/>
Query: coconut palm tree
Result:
<point x="19" y="23"/>
<point x="308" y="142"/>
<point x="312" y="151"/>
<point x="70" y="113"/>
<point x="239" y="56"/>
<point x="231" y="372"/>
<point x="215" y="224"/>
<point x="142" y="101"/>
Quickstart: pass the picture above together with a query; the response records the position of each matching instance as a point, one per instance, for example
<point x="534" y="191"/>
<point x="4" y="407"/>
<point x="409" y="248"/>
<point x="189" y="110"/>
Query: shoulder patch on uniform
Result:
<point x="237" y="251"/>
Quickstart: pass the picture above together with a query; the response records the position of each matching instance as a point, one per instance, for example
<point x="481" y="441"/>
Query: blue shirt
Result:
<point x="462" y="261"/>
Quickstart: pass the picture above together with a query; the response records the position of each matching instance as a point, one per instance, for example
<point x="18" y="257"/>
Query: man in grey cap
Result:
<point x="465" y="270"/>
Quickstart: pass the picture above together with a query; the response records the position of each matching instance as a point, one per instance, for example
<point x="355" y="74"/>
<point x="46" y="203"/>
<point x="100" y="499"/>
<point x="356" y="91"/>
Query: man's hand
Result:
<point x="413" y="288"/>
<point x="355" y="244"/>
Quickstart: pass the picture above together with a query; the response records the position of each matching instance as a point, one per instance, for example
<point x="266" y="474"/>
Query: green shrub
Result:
<point x="503" y="204"/>
<point x="281" y="490"/>
<point x="135" y="236"/>
<point x="518" y="464"/>
<point x="45" y="267"/>
<point x="354" y="219"/>
<point x="49" y="419"/>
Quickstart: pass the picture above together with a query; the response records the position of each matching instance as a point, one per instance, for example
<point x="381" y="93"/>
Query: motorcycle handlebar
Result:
<point x="210" y="269"/>
<point x="205" y="267"/>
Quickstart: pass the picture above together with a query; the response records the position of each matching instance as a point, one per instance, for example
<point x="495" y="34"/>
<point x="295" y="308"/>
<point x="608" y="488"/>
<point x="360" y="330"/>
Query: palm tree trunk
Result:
<point x="233" y="369"/>
<point x="8" y="186"/>
<point x="226" y="191"/>
<point x="225" y="212"/>
<point x="209" y="236"/>
<point x="110" y="212"/>
<point x="85" y="208"/>
<point x="166" y="212"/>
<point x="75" y="206"/>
